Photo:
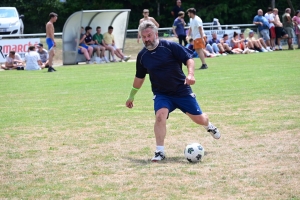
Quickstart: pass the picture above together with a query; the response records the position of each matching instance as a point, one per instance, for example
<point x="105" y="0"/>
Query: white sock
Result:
<point x="160" y="148"/>
<point x="206" y="127"/>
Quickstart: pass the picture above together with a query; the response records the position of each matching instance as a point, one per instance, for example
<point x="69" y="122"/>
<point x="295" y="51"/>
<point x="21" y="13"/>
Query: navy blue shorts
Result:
<point x="187" y="104"/>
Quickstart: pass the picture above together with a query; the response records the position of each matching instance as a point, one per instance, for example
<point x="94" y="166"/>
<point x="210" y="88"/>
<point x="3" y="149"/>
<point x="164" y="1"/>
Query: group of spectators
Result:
<point x="98" y="43"/>
<point x="270" y="28"/>
<point x="38" y="58"/>
<point x="35" y="59"/>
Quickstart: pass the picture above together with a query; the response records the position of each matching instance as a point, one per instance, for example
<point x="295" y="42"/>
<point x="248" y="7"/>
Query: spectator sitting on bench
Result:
<point x="88" y="39"/>
<point x="84" y="49"/>
<point x="108" y="40"/>
<point x="13" y="61"/>
<point x="98" y="38"/>
<point x="43" y="55"/>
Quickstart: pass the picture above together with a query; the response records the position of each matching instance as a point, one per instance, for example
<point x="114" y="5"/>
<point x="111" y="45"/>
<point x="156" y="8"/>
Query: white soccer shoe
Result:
<point x="126" y="58"/>
<point x="214" y="131"/>
<point x="158" y="156"/>
<point x="106" y="59"/>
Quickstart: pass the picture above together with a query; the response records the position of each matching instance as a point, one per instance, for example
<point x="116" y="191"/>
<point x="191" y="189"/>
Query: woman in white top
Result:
<point x="33" y="60"/>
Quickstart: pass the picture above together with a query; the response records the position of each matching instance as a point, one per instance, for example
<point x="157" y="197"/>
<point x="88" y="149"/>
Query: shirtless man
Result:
<point x="147" y="18"/>
<point x="50" y="39"/>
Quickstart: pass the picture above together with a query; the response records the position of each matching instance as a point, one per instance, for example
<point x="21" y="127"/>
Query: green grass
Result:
<point x="69" y="135"/>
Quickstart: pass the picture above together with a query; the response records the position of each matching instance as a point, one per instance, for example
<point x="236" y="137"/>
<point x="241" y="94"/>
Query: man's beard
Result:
<point x="151" y="44"/>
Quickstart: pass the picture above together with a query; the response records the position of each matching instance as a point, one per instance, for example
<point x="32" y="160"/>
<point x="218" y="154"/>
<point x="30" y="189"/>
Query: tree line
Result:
<point x="227" y="11"/>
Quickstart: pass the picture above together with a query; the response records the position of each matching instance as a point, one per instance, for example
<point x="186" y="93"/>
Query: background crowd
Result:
<point x="272" y="29"/>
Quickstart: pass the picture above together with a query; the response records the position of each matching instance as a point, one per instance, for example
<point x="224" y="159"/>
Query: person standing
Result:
<point x="177" y="9"/>
<point x="178" y="28"/>
<point x="270" y="17"/>
<point x="288" y="27"/>
<point x="147" y="18"/>
<point x="196" y="29"/>
<point x="279" y="30"/>
<point x="50" y="39"/>
<point x="296" y="20"/>
<point x="163" y="60"/>
<point x="263" y="27"/>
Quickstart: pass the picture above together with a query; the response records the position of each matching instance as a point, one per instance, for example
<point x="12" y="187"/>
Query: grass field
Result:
<point x="68" y="134"/>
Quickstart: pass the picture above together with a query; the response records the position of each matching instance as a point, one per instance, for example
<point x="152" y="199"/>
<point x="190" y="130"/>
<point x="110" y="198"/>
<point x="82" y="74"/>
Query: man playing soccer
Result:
<point x="50" y="39"/>
<point x="171" y="88"/>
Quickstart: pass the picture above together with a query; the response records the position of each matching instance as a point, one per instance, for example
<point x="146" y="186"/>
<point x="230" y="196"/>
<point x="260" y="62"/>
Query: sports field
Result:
<point x="68" y="134"/>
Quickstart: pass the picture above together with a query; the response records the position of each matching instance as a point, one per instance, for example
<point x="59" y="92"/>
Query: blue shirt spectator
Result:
<point x="263" y="20"/>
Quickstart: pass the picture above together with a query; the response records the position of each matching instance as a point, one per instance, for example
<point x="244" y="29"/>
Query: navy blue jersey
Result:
<point x="88" y="38"/>
<point x="164" y="66"/>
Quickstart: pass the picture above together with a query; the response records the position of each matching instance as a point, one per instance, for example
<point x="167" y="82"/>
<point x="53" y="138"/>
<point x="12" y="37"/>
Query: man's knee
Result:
<point x="161" y="115"/>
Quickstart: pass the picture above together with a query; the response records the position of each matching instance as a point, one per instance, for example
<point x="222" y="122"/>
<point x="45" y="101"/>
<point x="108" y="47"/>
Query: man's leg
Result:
<point x="51" y="55"/>
<point x="184" y="40"/>
<point x="160" y="131"/>
<point x="3" y="67"/>
<point x="85" y="53"/>
<point x="215" y="48"/>
<point x="180" y="39"/>
<point x="50" y="60"/>
<point x="102" y="49"/>
<point x="209" y="48"/>
<point x="222" y="50"/>
<point x="290" y="41"/>
<point x="202" y="58"/>
<point x="262" y="42"/>
<point x="250" y="45"/>
<point x="204" y="121"/>
<point x="97" y="48"/>
<point x="160" y="126"/>
<point x="91" y="51"/>
<point x="120" y="53"/>
<point x="112" y="51"/>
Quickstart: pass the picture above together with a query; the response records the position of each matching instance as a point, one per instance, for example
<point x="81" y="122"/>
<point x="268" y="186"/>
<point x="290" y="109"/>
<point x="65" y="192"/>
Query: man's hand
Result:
<point x="129" y="103"/>
<point x="190" y="79"/>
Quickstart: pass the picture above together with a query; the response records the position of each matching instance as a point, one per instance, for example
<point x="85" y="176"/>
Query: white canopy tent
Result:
<point x="93" y="18"/>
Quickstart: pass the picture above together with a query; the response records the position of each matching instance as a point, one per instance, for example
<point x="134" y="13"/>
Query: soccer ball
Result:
<point x="194" y="152"/>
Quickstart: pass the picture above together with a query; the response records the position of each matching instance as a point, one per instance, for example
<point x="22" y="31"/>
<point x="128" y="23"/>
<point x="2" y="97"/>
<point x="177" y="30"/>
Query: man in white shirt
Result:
<point x="270" y="17"/>
<point x="13" y="61"/>
<point x="197" y="32"/>
<point x="32" y="59"/>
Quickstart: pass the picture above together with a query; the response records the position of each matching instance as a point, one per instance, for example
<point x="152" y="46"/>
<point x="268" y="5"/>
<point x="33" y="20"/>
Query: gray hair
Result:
<point x="147" y="24"/>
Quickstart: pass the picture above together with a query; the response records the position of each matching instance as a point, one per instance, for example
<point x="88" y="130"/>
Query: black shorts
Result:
<point x="280" y="32"/>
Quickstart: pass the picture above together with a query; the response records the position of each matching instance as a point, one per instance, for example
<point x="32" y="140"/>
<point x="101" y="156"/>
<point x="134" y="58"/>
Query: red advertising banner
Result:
<point x="20" y="46"/>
